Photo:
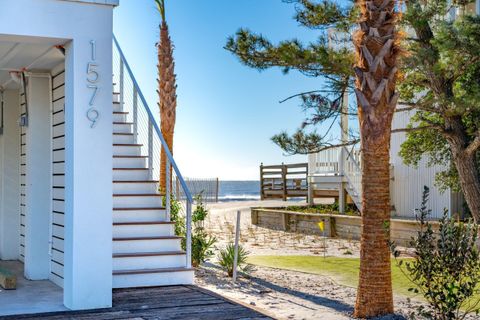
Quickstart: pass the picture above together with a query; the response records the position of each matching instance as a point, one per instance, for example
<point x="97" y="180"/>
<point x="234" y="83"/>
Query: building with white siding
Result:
<point x="327" y="171"/>
<point x="80" y="212"/>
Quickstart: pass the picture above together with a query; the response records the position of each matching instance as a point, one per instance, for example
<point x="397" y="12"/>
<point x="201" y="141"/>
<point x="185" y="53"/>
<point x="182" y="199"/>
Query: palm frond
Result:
<point x="161" y="8"/>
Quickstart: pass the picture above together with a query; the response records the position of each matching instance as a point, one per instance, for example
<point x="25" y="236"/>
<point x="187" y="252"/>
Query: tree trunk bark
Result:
<point x="374" y="296"/>
<point x="168" y="136"/>
<point x="167" y="91"/>
<point x="469" y="178"/>
<point x="376" y="45"/>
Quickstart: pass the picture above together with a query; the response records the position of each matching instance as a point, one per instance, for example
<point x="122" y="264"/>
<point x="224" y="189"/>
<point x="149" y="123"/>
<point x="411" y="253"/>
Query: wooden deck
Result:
<point x="175" y="302"/>
<point x="283" y="181"/>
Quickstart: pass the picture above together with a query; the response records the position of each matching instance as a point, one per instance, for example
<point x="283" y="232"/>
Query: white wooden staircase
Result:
<point x="146" y="251"/>
<point x="333" y="169"/>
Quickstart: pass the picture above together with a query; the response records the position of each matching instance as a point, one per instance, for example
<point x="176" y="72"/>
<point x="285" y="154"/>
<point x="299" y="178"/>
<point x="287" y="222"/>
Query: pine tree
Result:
<point x="439" y="81"/>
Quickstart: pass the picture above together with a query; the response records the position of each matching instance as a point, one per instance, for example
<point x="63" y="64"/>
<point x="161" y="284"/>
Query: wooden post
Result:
<point x="237" y="238"/>
<point x="284" y="178"/>
<point x="311" y="196"/>
<point x="177" y="189"/>
<point x="262" y="196"/>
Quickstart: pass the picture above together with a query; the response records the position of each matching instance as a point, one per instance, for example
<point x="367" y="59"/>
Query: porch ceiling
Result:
<point x="35" y="57"/>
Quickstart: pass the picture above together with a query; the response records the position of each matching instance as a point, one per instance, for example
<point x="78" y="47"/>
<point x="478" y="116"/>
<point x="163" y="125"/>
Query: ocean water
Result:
<point x="239" y="191"/>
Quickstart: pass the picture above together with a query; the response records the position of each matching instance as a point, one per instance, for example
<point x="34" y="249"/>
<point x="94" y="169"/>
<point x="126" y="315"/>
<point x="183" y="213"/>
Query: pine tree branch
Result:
<point x="415" y="129"/>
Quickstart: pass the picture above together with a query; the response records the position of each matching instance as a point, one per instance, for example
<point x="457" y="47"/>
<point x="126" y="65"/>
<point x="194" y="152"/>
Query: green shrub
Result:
<point x="350" y="209"/>
<point x="202" y="241"/>
<point x="446" y="270"/>
<point x="177" y="217"/>
<point x="226" y="259"/>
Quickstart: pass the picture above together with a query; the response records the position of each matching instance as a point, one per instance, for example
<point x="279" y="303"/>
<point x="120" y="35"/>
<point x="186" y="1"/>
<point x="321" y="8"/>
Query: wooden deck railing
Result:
<point x="284" y="181"/>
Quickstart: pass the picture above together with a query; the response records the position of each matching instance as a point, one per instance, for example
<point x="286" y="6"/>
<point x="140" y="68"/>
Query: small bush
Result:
<point x="202" y="241"/>
<point x="350" y="209"/>
<point x="226" y="259"/>
<point x="446" y="270"/>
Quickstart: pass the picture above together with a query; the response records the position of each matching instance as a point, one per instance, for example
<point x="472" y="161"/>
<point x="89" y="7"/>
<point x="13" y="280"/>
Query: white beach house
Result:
<point x="79" y="207"/>
<point x="338" y="170"/>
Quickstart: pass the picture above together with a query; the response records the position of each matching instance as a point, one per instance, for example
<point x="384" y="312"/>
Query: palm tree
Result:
<point x="167" y="91"/>
<point x="377" y="49"/>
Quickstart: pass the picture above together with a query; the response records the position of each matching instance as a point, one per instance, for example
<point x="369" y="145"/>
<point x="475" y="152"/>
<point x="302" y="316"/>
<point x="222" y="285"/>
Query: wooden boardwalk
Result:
<point x="175" y="302"/>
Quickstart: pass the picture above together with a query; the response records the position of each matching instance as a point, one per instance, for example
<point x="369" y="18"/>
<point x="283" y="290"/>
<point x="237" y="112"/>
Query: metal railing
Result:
<point x="147" y="132"/>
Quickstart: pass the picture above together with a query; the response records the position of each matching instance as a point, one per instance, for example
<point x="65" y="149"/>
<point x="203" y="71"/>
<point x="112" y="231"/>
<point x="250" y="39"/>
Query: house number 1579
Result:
<point x="93" y="77"/>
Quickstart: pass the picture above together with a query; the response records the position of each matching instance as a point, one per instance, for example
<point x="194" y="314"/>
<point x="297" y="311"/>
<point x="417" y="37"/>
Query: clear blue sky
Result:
<point x="227" y="112"/>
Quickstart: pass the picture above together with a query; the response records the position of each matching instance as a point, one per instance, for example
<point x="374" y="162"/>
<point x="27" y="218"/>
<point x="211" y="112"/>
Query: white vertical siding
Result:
<point x="408" y="183"/>
<point x="58" y="178"/>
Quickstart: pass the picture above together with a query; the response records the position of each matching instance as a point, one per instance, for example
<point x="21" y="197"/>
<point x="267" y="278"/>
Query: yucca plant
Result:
<point x="226" y="259"/>
<point x="167" y="90"/>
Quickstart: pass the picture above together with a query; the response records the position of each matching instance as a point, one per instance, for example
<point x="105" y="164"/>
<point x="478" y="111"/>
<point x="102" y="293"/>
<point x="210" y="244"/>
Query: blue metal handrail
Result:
<point x="170" y="160"/>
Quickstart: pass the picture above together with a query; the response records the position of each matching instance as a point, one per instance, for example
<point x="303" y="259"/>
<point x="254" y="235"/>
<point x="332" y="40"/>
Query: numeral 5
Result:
<point x="93" y="75"/>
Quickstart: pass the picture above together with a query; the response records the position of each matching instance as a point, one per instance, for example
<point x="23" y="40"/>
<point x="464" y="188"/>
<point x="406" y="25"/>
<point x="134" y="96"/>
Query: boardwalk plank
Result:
<point x="162" y="303"/>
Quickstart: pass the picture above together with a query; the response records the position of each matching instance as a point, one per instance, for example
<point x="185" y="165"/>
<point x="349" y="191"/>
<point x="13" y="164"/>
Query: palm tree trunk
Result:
<point x="168" y="98"/>
<point x="376" y="55"/>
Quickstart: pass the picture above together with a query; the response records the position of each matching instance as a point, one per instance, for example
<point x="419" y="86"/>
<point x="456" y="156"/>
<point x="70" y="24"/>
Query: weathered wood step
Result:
<point x="8" y="280"/>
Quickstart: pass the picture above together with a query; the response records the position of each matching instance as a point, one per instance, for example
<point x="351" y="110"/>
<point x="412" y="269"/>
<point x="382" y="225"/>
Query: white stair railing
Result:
<point x="147" y="132"/>
<point x="353" y="175"/>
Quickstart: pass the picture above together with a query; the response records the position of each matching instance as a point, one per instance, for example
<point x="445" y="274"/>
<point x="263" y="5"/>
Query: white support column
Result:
<point x="38" y="179"/>
<point x="10" y="179"/>
<point x="342" y="197"/>
<point x="88" y="173"/>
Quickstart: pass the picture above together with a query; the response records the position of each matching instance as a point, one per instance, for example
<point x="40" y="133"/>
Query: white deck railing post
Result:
<point x="168" y="189"/>
<point x="188" y="223"/>
<point x="135" y="114"/>
<point x="341" y="187"/>
<point x="121" y="84"/>
<point x="150" y="150"/>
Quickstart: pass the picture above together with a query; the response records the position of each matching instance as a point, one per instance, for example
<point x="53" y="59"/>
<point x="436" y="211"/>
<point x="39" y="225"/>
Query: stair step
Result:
<point x="129" y="174"/>
<point x="135" y="187"/>
<point x="123" y="138"/>
<point x="123" y="162"/>
<point x="139" y="214"/>
<point x="137" y="200"/>
<point x="117" y="106"/>
<point x="142" y="271"/>
<point x="142" y="229"/>
<point x="149" y="260"/>
<point x="127" y="149"/>
<point x="116" y="97"/>
<point x="148" y="254"/>
<point x="119" y="116"/>
<point x="133" y="209"/>
<point x="125" y="127"/>
<point x="141" y="223"/>
<point x="146" y="244"/>
<point x="152" y="277"/>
